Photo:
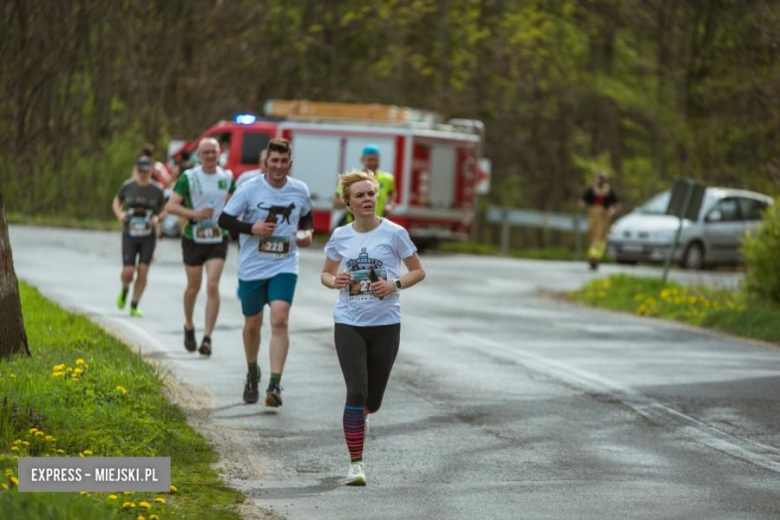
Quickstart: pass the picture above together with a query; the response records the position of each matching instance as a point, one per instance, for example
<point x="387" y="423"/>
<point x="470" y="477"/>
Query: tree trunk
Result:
<point x="13" y="338"/>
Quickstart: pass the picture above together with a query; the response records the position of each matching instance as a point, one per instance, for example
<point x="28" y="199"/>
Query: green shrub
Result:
<point x="761" y="252"/>
<point x="81" y="187"/>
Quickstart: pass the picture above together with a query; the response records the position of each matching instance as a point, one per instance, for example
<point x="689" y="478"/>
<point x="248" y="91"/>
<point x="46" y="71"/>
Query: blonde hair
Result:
<point x="350" y="178"/>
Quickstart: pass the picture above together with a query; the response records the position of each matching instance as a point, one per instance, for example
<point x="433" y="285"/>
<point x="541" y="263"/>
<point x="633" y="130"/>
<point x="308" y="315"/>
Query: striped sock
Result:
<point x="354" y="431"/>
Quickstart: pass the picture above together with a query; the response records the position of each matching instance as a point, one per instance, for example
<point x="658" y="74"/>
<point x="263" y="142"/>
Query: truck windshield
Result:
<point x="657" y="205"/>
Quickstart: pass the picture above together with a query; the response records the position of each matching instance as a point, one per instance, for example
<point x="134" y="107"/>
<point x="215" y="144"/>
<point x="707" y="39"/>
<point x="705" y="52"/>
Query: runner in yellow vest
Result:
<point x="602" y="205"/>
<point x="384" y="198"/>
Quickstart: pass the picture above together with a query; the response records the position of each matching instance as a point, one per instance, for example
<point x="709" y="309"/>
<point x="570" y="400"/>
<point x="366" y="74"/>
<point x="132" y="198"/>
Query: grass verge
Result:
<point x="84" y="393"/>
<point x="730" y="311"/>
<point x="475" y="248"/>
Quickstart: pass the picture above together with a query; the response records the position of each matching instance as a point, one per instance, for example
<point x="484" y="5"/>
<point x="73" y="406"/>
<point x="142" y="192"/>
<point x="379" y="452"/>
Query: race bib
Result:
<point x="274" y="247"/>
<point x="360" y="286"/>
<point x="139" y="227"/>
<point x="206" y="232"/>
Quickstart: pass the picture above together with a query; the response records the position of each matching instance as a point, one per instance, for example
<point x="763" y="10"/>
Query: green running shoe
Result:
<point x="121" y="300"/>
<point x="137" y="313"/>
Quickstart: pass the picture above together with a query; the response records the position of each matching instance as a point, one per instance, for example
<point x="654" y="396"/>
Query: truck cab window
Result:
<point x="253" y="144"/>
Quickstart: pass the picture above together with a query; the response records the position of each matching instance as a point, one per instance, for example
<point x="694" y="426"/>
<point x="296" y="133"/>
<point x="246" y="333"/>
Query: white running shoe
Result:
<point x="356" y="476"/>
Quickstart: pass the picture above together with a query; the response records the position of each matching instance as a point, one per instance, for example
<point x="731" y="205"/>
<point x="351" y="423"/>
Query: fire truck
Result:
<point x="437" y="165"/>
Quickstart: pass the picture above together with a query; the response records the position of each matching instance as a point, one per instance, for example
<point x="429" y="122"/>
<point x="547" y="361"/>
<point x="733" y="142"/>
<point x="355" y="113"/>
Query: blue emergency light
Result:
<point x="245" y="119"/>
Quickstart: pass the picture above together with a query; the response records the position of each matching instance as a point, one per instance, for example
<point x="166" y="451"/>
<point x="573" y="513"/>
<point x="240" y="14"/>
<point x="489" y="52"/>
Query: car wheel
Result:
<point x="694" y="256"/>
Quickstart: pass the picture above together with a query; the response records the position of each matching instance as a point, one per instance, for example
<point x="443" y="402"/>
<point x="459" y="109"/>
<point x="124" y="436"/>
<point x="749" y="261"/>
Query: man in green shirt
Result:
<point x="384" y="197"/>
<point x="199" y="195"/>
<point x="138" y="206"/>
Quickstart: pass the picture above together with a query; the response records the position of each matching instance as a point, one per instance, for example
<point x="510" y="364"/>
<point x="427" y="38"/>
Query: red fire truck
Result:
<point x="437" y="166"/>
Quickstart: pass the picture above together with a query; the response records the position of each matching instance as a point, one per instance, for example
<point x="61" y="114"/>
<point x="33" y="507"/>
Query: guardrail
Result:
<point x="510" y="217"/>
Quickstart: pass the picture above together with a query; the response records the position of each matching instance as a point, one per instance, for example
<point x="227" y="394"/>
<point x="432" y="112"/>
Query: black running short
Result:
<point x="198" y="254"/>
<point x="140" y="249"/>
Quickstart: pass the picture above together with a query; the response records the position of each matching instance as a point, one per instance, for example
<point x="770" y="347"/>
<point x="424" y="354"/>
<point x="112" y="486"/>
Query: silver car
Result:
<point x="714" y="238"/>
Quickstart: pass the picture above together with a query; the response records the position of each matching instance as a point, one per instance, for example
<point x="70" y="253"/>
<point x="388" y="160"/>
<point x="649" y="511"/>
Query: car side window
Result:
<point x="751" y="208"/>
<point x="729" y="210"/>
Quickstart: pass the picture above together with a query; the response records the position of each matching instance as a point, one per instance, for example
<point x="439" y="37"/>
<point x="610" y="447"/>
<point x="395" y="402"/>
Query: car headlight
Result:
<point x="663" y="236"/>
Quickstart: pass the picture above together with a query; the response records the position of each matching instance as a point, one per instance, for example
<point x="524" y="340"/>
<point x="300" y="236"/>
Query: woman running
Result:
<point x="368" y="311"/>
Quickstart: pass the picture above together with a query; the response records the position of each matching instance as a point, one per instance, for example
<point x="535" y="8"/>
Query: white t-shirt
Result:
<point x="262" y="258"/>
<point x="248" y="176"/>
<point x="381" y="249"/>
<point x="209" y="190"/>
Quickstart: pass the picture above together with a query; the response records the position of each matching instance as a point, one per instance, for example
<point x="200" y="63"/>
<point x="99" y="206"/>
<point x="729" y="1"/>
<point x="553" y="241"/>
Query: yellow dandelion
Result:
<point x="141" y="517"/>
<point x="5" y="486"/>
<point x="81" y="455"/>
<point x="69" y="369"/>
<point x="79" y="361"/>
<point x="112" y="497"/>
<point x="33" y="430"/>
<point x="8" y="472"/>
<point x="154" y="517"/>
<point x="174" y="489"/>
<point x="14" y="480"/>
<point x="60" y="451"/>
<point x="87" y="452"/>
<point x="47" y="455"/>
<point x="26" y="443"/>
<point x="18" y="441"/>
<point x="49" y="438"/>
<point x="14" y="448"/>
<point x="78" y="371"/>
<point x="85" y="494"/>
<point x="12" y="376"/>
<point x="144" y="504"/>
<point x="129" y="505"/>
<point x="61" y="366"/>
<point x="128" y="492"/>
<point x="160" y="500"/>
<point x="39" y="433"/>
<point x="121" y="389"/>
<point x="58" y="374"/>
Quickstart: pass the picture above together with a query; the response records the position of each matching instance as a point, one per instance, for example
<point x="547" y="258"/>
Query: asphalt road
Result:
<point x="503" y="403"/>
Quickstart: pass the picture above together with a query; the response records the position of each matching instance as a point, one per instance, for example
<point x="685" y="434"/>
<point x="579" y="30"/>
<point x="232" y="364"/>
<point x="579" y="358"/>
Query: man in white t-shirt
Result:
<point x="199" y="195"/>
<point x="272" y="213"/>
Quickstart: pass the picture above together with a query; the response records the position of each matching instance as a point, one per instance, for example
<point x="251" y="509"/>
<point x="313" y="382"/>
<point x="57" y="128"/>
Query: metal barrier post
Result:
<point x="577" y="238"/>
<point x="505" y="233"/>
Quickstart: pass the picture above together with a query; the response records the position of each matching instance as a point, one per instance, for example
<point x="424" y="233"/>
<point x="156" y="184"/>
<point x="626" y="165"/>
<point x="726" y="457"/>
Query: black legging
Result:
<point x="366" y="356"/>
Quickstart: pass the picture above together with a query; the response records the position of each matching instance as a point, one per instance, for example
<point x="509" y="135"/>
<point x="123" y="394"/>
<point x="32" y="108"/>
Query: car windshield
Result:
<point x="657" y="205"/>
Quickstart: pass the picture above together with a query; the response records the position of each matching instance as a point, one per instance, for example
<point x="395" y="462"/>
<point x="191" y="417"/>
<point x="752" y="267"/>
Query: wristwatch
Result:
<point x="397" y="284"/>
